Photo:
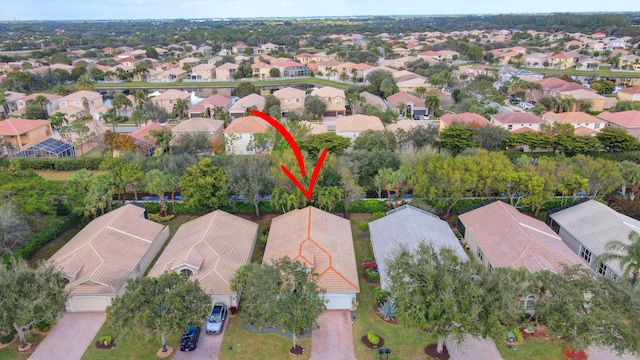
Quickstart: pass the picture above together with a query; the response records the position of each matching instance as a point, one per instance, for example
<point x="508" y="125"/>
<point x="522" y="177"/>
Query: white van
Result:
<point x="526" y="105"/>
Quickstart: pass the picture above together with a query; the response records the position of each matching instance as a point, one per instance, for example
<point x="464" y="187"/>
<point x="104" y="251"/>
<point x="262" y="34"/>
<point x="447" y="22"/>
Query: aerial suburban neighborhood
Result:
<point x="365" y="187"/>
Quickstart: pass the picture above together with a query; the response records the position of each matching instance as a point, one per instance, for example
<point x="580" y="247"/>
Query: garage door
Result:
<point x="339" y="301"/>
<point x="88" y="303"/>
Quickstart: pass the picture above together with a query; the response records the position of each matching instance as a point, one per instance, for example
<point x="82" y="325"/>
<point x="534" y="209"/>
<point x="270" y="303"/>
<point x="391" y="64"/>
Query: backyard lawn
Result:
<point x="61" y="176"/>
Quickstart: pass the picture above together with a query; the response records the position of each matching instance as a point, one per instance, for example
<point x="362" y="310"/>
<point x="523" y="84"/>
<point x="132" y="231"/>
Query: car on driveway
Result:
<point x="189" y="340"/>
<point x="215" y="323"/>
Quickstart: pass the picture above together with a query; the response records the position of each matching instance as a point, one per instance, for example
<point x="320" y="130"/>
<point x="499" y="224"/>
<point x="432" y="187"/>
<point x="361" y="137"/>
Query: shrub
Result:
<point x="7" y="336"/>
<point x="38" y="240"/>
<point x="263" y="239"/>
<point x="373" y="338"/>
<point x="42" y="327"/>
<point x="160" y="218"/>
<point x="388" y="310"/>
<point x="372" y="276"/>
<point x="377" y="215"/>
<point x="363" y="226"/>
<point x="265" y="231"/>
<point x="57" y="164"/>
<point x="370" y="265"/>
<point x="518" y="333"/>
<point x="380" y="295"/>
<point x="233" y="310"/>
<point x="368" y="206"/>
<point x="260" y="328"/>
<point x="105" y="340"/>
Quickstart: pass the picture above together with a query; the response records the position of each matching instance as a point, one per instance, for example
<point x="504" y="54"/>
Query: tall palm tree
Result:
<point x="110" y="117"/>
<point x="421" y="91"/>
<point x="628" y="254"/>
<point x="57" y="120"/>
<point x="84" y="83"/>
<point x="180" y="108"/>
<point x="432" y="101"/>
<point x="140" y="97"/>
<point x="121" y="101"/>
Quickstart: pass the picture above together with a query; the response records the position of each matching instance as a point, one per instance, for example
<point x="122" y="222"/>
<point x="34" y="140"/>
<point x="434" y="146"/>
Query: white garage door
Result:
<point x="339" y="301"/>
<point x="88" y="303"/>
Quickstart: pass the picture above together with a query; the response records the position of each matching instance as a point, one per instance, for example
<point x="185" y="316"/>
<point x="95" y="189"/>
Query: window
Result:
<point x="526" y="304"/>
<point x="297" y="100"/>
<point x="186" y="272"/>
<point x="602" y="269"/>
<point x="614" y="276"/>
<point x="228" y="149"/>
<point x="490" y="268"/>
<point x="480" y="255"/>
<point x="170" y="101"/>
<point x="585" y="254"/>
<point x="596" y="126"/>
<point x="249" y="148"/>
<point x="509" y="127"/>
<point x="338" y="101"/>
<point x="251" y="136"/>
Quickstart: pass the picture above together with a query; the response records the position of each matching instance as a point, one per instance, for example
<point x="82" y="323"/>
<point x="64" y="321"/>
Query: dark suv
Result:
<point x="189" y="340"/>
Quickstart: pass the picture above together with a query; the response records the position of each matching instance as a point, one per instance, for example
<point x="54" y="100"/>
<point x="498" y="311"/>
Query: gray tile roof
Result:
<point x="409" y="226"/>
<point x="594" y="224"/>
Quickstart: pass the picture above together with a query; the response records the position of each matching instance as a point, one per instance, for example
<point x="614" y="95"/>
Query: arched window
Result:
<point x="186" y="272"/>
<point x="527" y="303"/>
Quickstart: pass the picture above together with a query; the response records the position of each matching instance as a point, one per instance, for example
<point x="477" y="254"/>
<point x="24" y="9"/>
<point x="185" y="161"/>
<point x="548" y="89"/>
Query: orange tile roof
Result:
<point x="319" y="239"/>
<point x="142" y="134"/>
<point x="509" y="238"/>
<point x="630" y="90"/>
<point x="406" y="98"/>
<point x="572" y="117"/>
<point x="358" y="122"/>
<point x="213" y="246"/>
<point x="630" y="118"/>
<point x="517" y="118"/>
<point x="465" y="118"/>
<point x="248" y="124"/>
<point x="15" y="126"/>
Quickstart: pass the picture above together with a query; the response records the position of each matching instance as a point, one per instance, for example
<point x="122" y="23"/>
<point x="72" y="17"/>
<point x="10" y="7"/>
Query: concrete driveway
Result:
<point x="334" y="339"/>
<point x="475" y="348"/>
<point x="70" y="337"/>
<point x="595" y="352"/>
<point x="208" y="347"/>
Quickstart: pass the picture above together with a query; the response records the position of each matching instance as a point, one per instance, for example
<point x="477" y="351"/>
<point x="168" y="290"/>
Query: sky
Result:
<point x="188" y="9"/>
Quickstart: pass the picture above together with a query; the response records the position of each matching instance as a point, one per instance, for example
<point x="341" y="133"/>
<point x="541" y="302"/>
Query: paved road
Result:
<point x="334" y="339"/>
<point x="208" y="347"/>
<point x="70" y="337"/>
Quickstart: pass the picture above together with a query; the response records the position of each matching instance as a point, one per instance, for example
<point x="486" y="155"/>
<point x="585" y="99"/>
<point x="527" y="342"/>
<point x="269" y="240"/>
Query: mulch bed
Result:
<point x="372" y="282"/>
<point x="365" y="341"/>
<point x="432" y="351"/>
<point x="375" y="311"/>
<point x="100" y="345"/>
<point x="525" y="335"/>
<point x="569" y="354"/>
<point x="297" y="350"/>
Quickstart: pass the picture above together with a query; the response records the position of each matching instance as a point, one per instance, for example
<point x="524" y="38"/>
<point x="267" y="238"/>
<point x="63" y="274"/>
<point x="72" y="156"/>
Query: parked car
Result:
<point x="189" y="340"/>
<point x="514" y="101"/>
<point x="526" y="105"/>
<point x="425" y="117"/>
<point x="215" y="323"/>
<point x="416" y="117"/>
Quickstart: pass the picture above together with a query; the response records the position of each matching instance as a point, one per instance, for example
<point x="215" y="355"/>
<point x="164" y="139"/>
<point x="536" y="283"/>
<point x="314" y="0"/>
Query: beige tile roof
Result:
<point x="15" y="126"/>
<point x="50" y="97"/>
<point x="172" y="94"/>
<point x="328" y="91"/>
<point x="320" y="240"/>
<point x="246" y="102"/>
<point x="572" y="117"/>
<point x="289" y="93"/>
<point x="628" y="119"/>
<point x="103" y="254"/>
<point x="247" y="124"/>
<point x="315" y="128"/>
<point x="517" y="118"/>
<point x="78" y="95"/>
<point x="358" y="122"/>
<point x="198" y="124"/>
<point x="465" y="118"/>
<point x="142" y="134"/>
<point x="211" y="102"/>
<point x="406" y="98"/>
<point x="375" y="100"/>
<point x="213" y="246"/>
<point x="510" y="238"/>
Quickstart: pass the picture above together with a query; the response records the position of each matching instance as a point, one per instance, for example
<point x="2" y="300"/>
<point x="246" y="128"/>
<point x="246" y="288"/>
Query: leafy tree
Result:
<point x="155" y="112"/>
<point x="248" y="176"/>
<point x="162" y="137"/>
<point x="245" y="88"/>
<point x="366" y="164"/>
<point x="418" y="136"/>
<point x="274" y="72"/>
<point x="491" y="138"/>
<point x="30" y="295"/>
<point x="92" y="193"/>
<point x="168" y="303"/>
<point x="13" y="229"/>
<point x="436" y="290"/>
<point x="151" y="53"/>
<point x="375" y="140"/>
<point x="615" y="139"/>
<point x="603" y="176"/>
<point x="34" y="111"/>
<point x="627" y="254"/>
<point x="204" y="186"/>
<point x="456" y="138"/>
<point x="139" y="117"/>
<point x="283" y="294"/>
<point x="156" y="183"/>
<point x="315" y="106"/>
<point x="315" y="143"/>
<point x="627" y="105"/>
<point x="193" y="144"/>
<point x="244" y="71"/>
<point x="82" y="134"/>
<point x="349" y="185"/>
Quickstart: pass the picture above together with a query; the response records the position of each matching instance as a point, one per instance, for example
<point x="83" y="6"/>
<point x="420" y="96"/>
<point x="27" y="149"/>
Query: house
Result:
<point x="239" y="48"/>
<point x="239" y="135"/>
<point x="586" y="228"/>
<point x="261" y="70"/>
<point x="51" y="107"/>
<point x="628" y="120"/>
<point x="211" y="127"/>
<point x="239" y="108"/>
<point x="205" y="50"/>
<point x="168" y="99"/>
<point x="290" y="99"/>
<point x="474" y="120"/>
<point x="334" y="98"/>
<point x="517" y="120"/>
<point x="561" y="60"/>
<point x="414" y="105"/>
<point x="578" y="120"/>
<point x="375" y="100"/>
<point x="79" y="103"/>
<point x="19" y="134"/>
<point x="107" y="252"/>
<point x="268" y="47"/>
<point x="210" y="249"/>
<point x="501" y="236"/>
<point x="208" y="104"/>
<point x="408" y="227"/>
<point x="170" y="75"/>
<point x="353" y="125"/>
<point x="324" y="243"/>
<point x="225" y="71"/>
<point x="629" y="94"/>
<point x="537" y="60"/>
<point x="145" y="142"/>
<point x="597" y="101"/>
<point x="314" y="127"/>
<point x="203" y="72"/>
<point x="290" y="68"/>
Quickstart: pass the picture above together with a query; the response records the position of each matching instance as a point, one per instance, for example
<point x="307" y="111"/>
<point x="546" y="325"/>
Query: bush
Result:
<point x="263" y="239"/>
<point x="388" y="310"/>
<point x="42" y="327"/>
<point x="372" y="276"/>
<point x="363" y="226"/>
<point x="159" y="218"/>
<point x="56" y="164"/>
<point x="380" y="295"/>
<point x="518" y="333"/>
<point x="368" y="206"/>
<point x="370" y="265"/>
<point x="7" y="336"/>
<point x="373" y="338"/>
<point x="105" y="340"/>
<point x="36" y="241"/>
<point x="377" y="215"/>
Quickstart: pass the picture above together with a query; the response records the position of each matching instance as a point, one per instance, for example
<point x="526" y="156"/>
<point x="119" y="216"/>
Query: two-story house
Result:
<point x="51" y="106"/>
<point x="168" y="99"/>
<point x="334" y="98"/>
<point x="290" y="99"/>
<point x="239" y="135"/>
<point x="19" y="134"/>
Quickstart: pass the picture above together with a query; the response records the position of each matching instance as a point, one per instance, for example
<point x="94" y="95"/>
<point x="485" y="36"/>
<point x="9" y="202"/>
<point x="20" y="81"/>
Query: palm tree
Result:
<point x="57" y="120"/>
<point x="84" y="83"/>
<point x="421" y="91"/>
<point x="42" y="101"/>
<point x="140" y="97"/>
<point x="156" y="182"/>
<point x="60" y="90"/>
<point x="628" y="254"/>
<point x="432" y="101"/>
<point x="180" y="108"/>
<point x="121" y="101"/>
<point x="110" y="117"/>
<point x="402" y="108"/>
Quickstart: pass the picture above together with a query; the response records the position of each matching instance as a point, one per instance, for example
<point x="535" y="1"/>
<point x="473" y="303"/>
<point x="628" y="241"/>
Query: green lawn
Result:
<point x="406" y="343"/>
<point x="533" y="348"/>
<point x="600" y="72"/>
<point x="214" y="84"/>
<point x="134" y="347"/>
<point x="248" y="345"/>
<point x="10" y="352"/>
<point x="61" y="176"/>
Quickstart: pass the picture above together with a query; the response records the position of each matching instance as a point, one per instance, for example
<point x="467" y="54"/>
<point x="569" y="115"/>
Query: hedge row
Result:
<point x="57" y="164"/>
<point x="40" y="239"/>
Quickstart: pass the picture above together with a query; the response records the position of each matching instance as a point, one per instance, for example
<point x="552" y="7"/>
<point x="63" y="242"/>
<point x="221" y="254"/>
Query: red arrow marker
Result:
<point x="296" y="151"/>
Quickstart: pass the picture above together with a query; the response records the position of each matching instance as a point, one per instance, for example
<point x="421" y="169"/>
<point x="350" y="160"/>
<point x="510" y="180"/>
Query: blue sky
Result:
<point x="170" y="9"/>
